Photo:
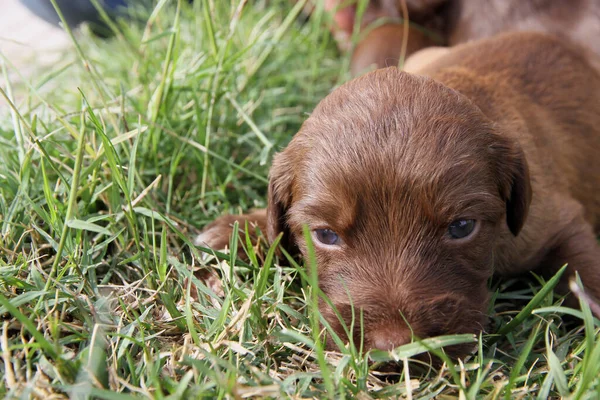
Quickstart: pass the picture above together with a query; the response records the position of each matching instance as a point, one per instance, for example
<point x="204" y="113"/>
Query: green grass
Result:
<point x="111" y="162"/>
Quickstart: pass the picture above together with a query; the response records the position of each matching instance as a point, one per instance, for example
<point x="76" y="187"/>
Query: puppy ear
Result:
<point x="517" y="205"/>
<point x="515" y="185"/>
<point x="279" y="198"/>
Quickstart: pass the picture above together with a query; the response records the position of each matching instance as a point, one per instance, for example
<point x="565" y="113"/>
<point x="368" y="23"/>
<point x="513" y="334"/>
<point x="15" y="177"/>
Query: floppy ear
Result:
<point x="279" y="198"/>
<point x="517" y="205"/>
<point x="515" y="184"/>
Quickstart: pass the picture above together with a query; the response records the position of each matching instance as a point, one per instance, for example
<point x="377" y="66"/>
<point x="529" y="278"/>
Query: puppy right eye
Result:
<point x="461" y="228"/>
<point x="327" y="237"/>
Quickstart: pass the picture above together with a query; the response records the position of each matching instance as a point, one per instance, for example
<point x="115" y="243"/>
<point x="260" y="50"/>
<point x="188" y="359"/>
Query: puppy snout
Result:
<point x="389" y="337"/>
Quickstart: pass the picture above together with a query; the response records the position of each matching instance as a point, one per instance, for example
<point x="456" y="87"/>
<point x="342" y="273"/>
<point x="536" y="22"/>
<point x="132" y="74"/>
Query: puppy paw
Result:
<point x="217" y="235"/>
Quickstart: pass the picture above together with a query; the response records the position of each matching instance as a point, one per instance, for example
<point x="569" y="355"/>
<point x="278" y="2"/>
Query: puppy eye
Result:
<point x="461" y="228"/>
<point x="327" y="236"/>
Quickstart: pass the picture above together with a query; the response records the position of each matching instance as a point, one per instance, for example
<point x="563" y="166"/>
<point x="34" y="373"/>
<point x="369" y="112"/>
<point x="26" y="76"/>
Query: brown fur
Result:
<point x="577" y="20"/>
<point x="505" y="131"/>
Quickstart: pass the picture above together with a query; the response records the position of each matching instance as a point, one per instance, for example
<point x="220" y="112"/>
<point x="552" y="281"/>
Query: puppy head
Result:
<point x="406" y="187"/>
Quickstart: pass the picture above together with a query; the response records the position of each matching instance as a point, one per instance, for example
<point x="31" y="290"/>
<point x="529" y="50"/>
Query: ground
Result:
<point x="115" y="156"/>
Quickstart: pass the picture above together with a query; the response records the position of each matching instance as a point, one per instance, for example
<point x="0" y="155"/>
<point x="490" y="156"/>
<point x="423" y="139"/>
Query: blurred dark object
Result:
<point x="77" y="11"/>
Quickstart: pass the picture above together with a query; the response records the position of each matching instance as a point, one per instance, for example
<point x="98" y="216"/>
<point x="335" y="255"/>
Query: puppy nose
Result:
<point x="389" y="338"/>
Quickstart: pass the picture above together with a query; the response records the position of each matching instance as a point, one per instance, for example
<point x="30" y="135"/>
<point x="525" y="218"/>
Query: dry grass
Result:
<point x="151" y="135"/>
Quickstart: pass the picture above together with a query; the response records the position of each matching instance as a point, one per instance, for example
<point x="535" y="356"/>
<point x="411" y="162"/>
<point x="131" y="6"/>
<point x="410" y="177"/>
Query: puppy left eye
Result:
<point x="327" y="236"/>
<point x="461" y="228"/>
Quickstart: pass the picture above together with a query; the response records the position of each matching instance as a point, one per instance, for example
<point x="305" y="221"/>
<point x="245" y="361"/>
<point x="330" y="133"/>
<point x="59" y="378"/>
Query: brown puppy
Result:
<point x="460" y="21"/>
<point x="417" y="189"/>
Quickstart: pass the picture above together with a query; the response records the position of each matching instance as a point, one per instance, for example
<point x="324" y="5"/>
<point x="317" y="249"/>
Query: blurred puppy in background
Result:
<point x="450" y="22"/>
